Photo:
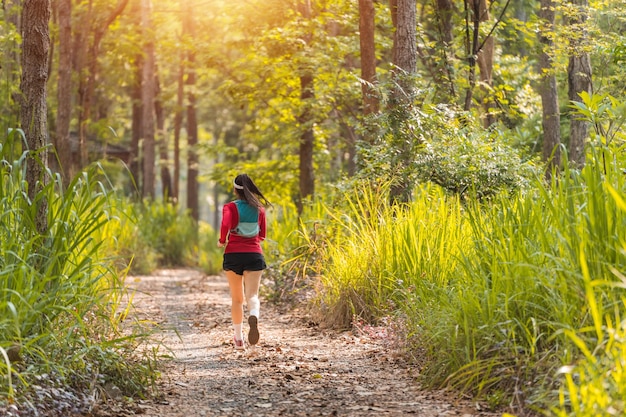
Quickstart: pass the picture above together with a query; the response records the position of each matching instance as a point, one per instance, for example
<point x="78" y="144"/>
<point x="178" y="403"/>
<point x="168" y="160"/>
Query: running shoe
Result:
<point x="253" y="334"/>
<point x="239" y="344"/>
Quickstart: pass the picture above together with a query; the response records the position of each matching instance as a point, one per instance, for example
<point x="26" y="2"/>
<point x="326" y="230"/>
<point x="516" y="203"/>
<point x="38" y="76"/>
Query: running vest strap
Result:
<point x="248" y="225"/>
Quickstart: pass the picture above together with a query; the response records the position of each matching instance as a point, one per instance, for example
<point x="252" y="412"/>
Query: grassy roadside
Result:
<point x="518" y="301"/>
<point x="61" y="340"/>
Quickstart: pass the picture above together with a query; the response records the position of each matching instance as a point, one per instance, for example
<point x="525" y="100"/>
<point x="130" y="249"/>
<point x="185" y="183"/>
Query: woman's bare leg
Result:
<point x="252" y="281"/>
<point x="235" y="282"/>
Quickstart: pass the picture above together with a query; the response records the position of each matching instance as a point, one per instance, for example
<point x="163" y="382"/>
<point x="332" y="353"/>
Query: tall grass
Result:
<point x="379" y="256"/>
<point x="60" y="291"/>
<point x="492" y="290"/>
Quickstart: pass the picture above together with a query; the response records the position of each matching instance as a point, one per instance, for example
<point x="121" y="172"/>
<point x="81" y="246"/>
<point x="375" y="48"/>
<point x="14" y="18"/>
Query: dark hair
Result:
<point x="250" y="193"/>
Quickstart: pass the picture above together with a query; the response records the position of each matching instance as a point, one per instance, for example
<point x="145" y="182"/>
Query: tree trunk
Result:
<point x="64" y="93"/>
<point x="137" y="106"/>
<point x="136" y="125"/>
<point x="147" y="98"/>
<point x="35" y="49"/>
<point x="166" y="178"/>
<point x="307" y="140"/>
<point x="405" y="38"/>
<point x="178" y="123"/>
<point x="579" y="77"/>
<point x="192" y="123"/>
<point x="472" y="14"/>
<point x="405" y="66"/>
<point x="548" y="89"/>
<point x="368" y="56"/>
<point x="484" y="59"/>
<point x="305" y="122"/>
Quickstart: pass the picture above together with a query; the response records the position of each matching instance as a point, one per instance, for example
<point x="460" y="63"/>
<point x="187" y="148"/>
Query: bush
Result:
<point x="172" y="235"/>
<point x="443" y="148"/>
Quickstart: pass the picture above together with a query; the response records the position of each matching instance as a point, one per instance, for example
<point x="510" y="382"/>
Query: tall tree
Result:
<point x="367" y="24"/>
<point x="136" y="104"/>
<point x="148" y="94"/>
<point x="178" y="123"/>
<point x="579" y="76"/>
<point x="484" y="56"/>
<point x="33" y="109"/>
<point x="166" y="179"/>
<point x="64" y="89"/>
<point x="404" y="17"/>
<point x="189" y="32"/>
<point x="305" y="119"/>
<point x="551" y="152"/>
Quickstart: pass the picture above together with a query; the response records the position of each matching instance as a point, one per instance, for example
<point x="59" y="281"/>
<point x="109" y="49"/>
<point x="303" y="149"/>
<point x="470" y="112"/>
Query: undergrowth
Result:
<point x="62" y="293"/>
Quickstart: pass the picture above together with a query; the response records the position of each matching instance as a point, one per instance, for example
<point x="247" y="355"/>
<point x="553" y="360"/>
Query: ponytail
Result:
<point x="247" y="190"/>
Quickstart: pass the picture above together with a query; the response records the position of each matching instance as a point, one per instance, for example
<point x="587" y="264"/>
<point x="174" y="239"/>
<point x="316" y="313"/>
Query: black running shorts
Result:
<point x="245" y="261"/>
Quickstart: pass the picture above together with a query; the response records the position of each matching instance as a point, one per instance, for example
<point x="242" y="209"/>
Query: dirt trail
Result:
<point x="295" y="370"/>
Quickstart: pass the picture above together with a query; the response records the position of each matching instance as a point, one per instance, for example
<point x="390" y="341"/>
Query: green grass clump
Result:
<point x="60" y="291"/>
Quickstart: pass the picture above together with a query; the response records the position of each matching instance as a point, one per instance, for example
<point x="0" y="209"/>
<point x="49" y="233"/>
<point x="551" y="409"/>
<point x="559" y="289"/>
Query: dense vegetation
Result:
<point x="437" y="209"/>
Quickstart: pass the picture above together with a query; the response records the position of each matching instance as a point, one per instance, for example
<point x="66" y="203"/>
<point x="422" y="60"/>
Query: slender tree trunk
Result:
<point x="137" y="107"/>
<point x="64" y="92"/>
<point x="166" y="179"/>
<point x="136" y="159"/>
<point x="548" y="90"/>
<point x="484" y="59"/>
<point x="82" y="50"/>
<point x="305" y="122"/>
<point x="368" y="55"/>
<point x="192" y="123"/>
<point x="178" y="122"/>
<point x="472" y="15"/>
<point x="148" y="98"/>
<point x="307" y="140"/>
<point x="404" y="14"/>
<point x="579" y="80"/>
<point x="35" y="49"/>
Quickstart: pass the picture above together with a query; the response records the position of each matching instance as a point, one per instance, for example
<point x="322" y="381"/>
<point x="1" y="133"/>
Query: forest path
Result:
<point x="295" y="370"/>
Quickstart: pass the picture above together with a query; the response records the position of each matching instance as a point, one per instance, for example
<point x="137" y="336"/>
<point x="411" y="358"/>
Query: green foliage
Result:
<point x="209" y="257"/>
<point x="464" y="160"/>
<point x="171" y="234"/>
<point x="292" y="250"/>
<point x="60" y="293"/>
<point x="606" y="116"/>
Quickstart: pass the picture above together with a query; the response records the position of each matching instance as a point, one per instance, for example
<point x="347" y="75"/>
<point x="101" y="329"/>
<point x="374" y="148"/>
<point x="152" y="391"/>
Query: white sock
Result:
<point x="238" y="331"/>
<point x="254" y="305"/>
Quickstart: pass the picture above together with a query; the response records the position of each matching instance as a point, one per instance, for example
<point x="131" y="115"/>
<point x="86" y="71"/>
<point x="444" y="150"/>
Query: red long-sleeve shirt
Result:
<point x="236" y="243"/>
